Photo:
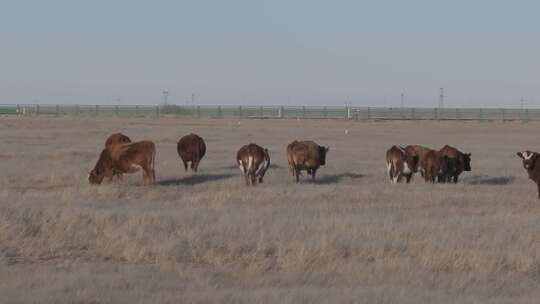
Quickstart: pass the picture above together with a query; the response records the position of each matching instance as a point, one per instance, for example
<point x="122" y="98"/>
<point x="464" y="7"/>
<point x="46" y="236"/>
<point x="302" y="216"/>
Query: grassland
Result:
<point x="350" y="237"/>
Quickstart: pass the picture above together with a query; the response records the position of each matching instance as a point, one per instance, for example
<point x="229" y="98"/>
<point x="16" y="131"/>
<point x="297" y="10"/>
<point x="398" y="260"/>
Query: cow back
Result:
<point x="191" y="147"/>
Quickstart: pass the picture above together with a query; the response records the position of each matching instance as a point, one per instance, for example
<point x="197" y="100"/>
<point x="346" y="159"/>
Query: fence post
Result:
<point x="412" y="113"/>
<point x="436" y="113"/>
<point x="261" y="114"/>
<point x="480" y="115"/>
<point x="157" y="111"/>
<point x="368" y="113"/>
<point x="219" y="113"/>
<point x="136" y="110"/>
<point x="97" y="110"/>
<point x="37" y="110"/>
<point x="57" y="110"/>
<point x="303" y="112"/>
<point x="116" y="110"/>
<point x="77" y="110"/>
<point x="282" y="112"/>
<point x="240" y="112"/>
<point x="526" y="115"/>
<point x="502" y="115"/>
<point x="18" y="110"/>
<point x="198" y="111"/>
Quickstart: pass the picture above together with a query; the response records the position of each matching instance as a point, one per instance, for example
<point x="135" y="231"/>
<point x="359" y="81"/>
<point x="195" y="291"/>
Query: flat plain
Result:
<point x="349" y="237"/>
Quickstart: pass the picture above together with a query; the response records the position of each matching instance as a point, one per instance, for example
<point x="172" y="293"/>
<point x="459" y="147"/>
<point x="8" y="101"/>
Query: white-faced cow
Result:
<point x="399" y="164"/>
<point x="305" y="155"/>
<point x="533" y="169"/>
<point x="253" y="161"/>
<point x="126" y="158"/>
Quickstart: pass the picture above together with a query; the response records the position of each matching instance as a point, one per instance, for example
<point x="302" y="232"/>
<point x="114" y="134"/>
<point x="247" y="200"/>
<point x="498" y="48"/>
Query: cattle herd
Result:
<point x="121" y="155"/>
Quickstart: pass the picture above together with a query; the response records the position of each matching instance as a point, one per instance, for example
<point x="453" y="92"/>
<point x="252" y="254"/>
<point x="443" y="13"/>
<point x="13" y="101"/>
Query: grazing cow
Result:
<point x="457" y="163"/>
<point x="116" y="139"/>
<point x="529" y="163"/>
<point x="127" y="158"/>
<point x="191" y="148"/>
<point x="253" y="161"/>
<point x="400" y="163"/>
<point x="113" y="140"/>
<point x="435" y="165"/>
<point x="420" y="152"/>
<point x="305" y="155"/>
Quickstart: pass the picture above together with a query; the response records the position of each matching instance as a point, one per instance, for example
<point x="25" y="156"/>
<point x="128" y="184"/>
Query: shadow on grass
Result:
<point x="486" y="180"/>
<point x="194" y="179"/>
<point x="235" y="167"/>
<point x="332" y="179"/>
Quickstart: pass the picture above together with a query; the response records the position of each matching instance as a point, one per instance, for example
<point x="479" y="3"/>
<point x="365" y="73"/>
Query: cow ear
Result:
<point x="519" y="154"/>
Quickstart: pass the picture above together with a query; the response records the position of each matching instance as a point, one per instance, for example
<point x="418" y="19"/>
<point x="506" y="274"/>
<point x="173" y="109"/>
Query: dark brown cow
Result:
<point x="435" y="166"/>
<point x="420" y="152"/>
<point x="400" y="163"/>
<point x="191" y="148"/>
<point x="127" y="158"/>
<point x="116" y="139"/>
<point x="305" y="155"/>
<point x="457" y="163"/>
<point x="529" y="163"/>
<point x="253" y="161"/>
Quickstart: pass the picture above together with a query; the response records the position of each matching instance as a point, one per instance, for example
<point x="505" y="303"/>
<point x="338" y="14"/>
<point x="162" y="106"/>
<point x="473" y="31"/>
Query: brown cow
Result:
<point x="400" y="163"/>
<point x="435" y="165"/>
<point x="529" y="163"/>
<point x="420" y="152"/>
<point x="253" y="161"/>
<point x="116" y="139"/>
<point x="191" y="148"/>
<point x="127" y="158"/>
<point x="457" y="163"/>
<point x="305" y="155"/>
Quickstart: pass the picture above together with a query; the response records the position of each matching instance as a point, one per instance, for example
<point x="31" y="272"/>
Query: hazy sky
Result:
<point x="484" y="53"/>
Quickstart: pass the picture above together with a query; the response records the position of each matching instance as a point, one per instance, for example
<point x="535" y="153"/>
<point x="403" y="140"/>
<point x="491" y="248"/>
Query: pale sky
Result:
<point x="306" y="52"/>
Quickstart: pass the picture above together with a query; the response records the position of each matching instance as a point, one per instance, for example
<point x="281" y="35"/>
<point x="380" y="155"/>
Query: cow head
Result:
<point x="102" y="168"/>
<point x="96" y="176"/>
<point x="322" y="153"/>
<point x="528" y="158"/>
<point x="467" y="161"/>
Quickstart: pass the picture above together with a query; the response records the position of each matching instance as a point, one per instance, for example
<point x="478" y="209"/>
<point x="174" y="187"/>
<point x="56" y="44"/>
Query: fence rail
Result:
<point x="283" y="112"/>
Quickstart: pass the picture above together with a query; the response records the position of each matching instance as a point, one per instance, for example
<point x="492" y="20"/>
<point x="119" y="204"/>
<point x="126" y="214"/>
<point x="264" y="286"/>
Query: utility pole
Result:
<point x="165" y="95"/>
<point x="441" y="98"/>
<point x="402" y="100"/>
<point x="193" y="99"/>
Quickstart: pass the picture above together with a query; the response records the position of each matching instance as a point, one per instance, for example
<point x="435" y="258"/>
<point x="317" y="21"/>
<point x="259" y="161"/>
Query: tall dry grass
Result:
<point x="350" y="237"/>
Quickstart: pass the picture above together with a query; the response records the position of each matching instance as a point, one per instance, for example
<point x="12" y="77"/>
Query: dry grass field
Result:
<point x="350" y="237"/>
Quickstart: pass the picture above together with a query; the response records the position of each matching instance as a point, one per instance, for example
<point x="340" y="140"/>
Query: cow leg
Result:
<point x="253" y="179"/>
<point x="195" y="165"/>
<point x="538" y="185"/>
<point x="185" y="165"/>
<point x="313" y="172"/>
<point x="297" y="174"/>
<point x="408" y="177"/>
<point x="455" y="179"/>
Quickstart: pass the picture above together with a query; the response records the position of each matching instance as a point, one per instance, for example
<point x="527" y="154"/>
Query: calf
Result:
<point x="529" y="163"/>
<point x="127" y="158"/>
<point x="253" y="161"/>
<point x="435" y="165"/>
<point x="457" y="163"/>
<point x="305" y="155"/>
<point x="191" y="148"/>
<point x="400" y="163"/>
